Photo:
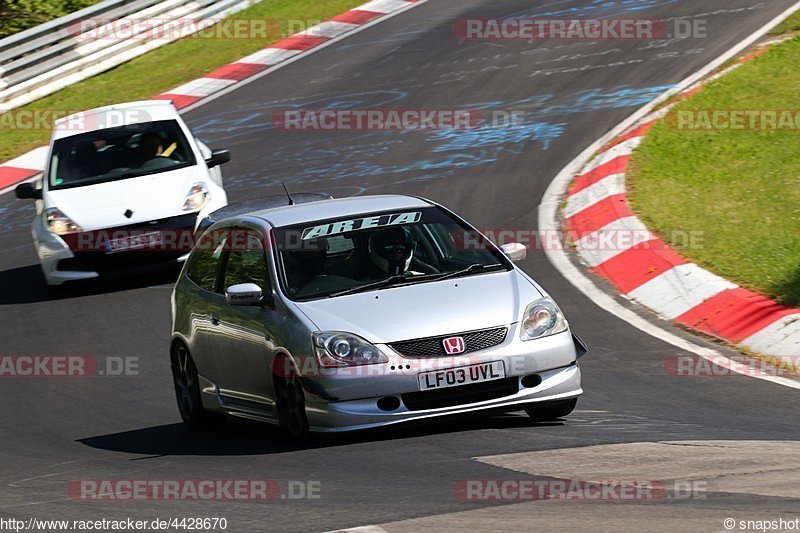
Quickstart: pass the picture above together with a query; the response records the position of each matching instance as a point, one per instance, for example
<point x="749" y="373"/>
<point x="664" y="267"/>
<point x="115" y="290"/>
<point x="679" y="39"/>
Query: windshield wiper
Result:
<point x="477" y="267"/>
<point x="386" y="282"/>
<point x="410" y="280"/>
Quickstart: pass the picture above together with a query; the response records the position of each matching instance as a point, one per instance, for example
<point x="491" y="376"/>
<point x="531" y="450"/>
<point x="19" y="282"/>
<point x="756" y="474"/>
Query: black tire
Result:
<point x="187" y="391"/>
<point x="547" y="411"/>
<point x="291" y="407"/>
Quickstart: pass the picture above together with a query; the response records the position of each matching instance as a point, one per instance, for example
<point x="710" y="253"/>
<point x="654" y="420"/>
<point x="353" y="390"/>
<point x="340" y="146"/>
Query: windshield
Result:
<point x="339" y="256"/>
<point x="118" y="153"/>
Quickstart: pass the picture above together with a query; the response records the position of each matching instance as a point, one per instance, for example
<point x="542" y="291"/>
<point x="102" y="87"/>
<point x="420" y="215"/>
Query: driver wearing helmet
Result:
<point x="391" y="250"/>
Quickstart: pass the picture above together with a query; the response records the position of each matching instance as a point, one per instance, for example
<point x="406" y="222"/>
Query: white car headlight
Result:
<point x="541" y="319"/>
<point x="198" y="197"/>
<point x="59" y="223"/>
<point x="335" y="348"/>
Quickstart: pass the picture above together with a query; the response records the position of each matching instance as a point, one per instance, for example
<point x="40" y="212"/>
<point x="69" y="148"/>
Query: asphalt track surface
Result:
<point x="55" y="430"/>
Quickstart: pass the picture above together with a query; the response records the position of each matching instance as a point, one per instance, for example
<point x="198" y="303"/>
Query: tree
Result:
<point x="18" y="15"/>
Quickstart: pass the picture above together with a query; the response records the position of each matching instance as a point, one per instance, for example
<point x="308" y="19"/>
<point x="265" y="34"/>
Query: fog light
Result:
<point x="388" y="403"/>
<point x="534" y="380"/>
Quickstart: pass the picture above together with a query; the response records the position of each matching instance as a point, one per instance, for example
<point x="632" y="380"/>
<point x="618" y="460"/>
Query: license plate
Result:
<point x="463" y="375"/>
<point x="134" y="241"/>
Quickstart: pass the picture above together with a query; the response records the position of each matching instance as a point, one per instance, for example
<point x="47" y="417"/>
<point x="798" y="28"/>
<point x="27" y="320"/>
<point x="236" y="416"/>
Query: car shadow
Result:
<point x="23" y="285"/>
<point x="243" y="437"/>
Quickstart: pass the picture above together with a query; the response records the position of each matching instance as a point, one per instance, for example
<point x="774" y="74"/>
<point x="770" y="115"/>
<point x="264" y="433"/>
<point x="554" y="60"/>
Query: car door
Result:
<point x="244" y="346"/>
<point x="200" y="298"/>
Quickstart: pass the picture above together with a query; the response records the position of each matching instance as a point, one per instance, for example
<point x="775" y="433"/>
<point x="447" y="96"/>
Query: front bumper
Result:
<point x="556" y="384"/>
<point x="81" y="256"/>
<point x="535" y="371"/>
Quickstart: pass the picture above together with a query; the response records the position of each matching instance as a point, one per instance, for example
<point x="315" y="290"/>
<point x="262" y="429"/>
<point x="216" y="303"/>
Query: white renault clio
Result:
<point x="124" y="189"/>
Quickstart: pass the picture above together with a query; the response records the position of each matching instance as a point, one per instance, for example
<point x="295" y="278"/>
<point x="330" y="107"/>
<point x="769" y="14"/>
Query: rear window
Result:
<point x="119" y="153"/>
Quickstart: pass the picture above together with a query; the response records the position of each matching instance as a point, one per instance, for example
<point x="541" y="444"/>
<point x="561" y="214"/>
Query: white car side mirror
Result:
<point x="515" y="251"/>
<point x="243" y="294"/>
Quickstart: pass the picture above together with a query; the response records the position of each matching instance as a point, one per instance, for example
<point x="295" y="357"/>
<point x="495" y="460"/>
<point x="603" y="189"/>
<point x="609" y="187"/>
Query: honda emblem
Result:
<point x="454" y="345"/>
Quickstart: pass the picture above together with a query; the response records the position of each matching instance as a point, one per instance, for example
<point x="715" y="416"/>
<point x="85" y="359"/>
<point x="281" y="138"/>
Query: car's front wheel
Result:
<point x="546" y="411"/>
<point x="187" y="391"/>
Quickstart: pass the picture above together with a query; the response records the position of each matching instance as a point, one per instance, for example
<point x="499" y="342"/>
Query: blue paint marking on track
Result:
<point x="594" y="7"/>
<point x="483" y="136"/>
<point x="243" y="123"/>
<point x="369" y="156"/>
<point x="310" y="158"/>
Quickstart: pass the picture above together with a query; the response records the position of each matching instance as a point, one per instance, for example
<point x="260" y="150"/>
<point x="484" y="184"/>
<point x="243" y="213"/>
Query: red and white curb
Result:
<point x="618" y="247"/>
<point x="23" y="168"/>
<point x="31" y="164"/>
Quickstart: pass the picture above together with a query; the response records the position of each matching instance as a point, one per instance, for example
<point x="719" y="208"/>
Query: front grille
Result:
<point x="178" y="234"/>
<point x="91" y="250"/>
<point x="433" y="347"/>
<point x="461" y="395"/>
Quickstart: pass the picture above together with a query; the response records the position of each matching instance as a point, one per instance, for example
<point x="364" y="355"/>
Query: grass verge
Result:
<point x="740" y="188"/>
<point x="790" y="25"/>
<point x="162" y="69"/>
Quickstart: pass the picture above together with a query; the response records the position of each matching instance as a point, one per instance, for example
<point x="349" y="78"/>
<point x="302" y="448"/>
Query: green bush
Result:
<point x="18" y="15"/>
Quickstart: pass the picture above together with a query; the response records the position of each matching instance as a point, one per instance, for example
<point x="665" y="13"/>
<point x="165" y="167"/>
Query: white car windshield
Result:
<point x="332" y="257"/>
<point x="118" y="153"/>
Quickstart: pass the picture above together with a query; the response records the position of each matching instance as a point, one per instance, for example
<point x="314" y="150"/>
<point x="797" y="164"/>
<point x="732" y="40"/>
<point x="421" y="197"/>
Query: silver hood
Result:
<point x="427" y="309"/>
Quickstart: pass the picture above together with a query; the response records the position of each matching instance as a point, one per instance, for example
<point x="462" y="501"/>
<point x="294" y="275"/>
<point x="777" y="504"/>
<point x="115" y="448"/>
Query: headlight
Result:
<point x="198" y="197"/>
<point x="59" y="223"/>
<point x="542" y="318"/>
<point x="335" y="348"/>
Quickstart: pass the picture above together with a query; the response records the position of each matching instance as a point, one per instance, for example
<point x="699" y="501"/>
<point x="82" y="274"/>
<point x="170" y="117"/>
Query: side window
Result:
<point x="461" y="246"/>
<point x="203" y="264"/>
<point x="247" y="261"/>
<point x="445" y="241"/>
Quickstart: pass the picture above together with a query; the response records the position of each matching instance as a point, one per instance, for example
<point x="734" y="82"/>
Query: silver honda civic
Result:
<point x="343" y="314"/>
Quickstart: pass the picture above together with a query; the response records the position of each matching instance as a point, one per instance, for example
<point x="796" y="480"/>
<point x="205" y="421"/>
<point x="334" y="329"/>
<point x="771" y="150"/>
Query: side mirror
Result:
<point x="243" y="294"/>
<point x="218" y="157"/>
<point x="515" y="251"/>
<point x="28" y="191"/>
